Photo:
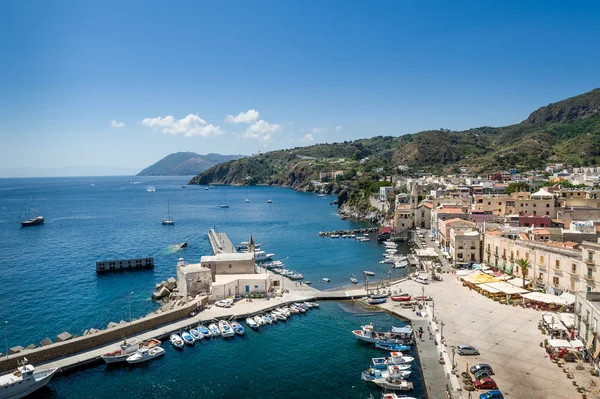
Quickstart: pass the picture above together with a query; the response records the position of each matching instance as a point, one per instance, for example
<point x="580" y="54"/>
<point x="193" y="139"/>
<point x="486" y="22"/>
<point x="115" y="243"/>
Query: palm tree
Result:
<point x="524" y="265"/>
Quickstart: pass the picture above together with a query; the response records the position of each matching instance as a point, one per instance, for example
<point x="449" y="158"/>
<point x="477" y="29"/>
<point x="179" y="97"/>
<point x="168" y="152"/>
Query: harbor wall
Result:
<point x="87" y="342"/>
<point x="110" y="266"/>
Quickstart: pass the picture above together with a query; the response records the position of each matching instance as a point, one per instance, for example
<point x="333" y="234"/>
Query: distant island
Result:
<point x="185" y="164"/>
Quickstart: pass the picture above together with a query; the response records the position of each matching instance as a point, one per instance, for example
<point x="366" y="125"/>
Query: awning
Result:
<point x="509" y="269"/>
<point x="589" y="344"/>
<point x="503" y="265"/>
<point x="567" y="296"/>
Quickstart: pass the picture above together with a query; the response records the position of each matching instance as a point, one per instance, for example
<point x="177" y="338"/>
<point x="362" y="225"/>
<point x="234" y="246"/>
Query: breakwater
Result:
<point x="347" y="232"/>
<point x="121" y="265"/>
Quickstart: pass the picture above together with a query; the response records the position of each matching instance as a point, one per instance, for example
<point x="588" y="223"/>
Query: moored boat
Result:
<point x="237" y="328"/>
<point x="204" y="331"/>
<point x="367" y="334"/>
<point x="196" y="334"/>
<point x="399" y="358"/>
<point x="326" y="279"/>
<point x="226" y="330"/>
<point x="376" y="301"/>
<point x="401" y="298"/>
<point x="214" y="330"/>
<point x="252" y="324"/>
<point x="368" y="273"/>
<point x="391" y="346"/>
<point x="176" y="341"/>
<point x="144" y="355"/>
<point x="259" y="320"/>
<point x="394" y="384"/>
<point x="24" y="380"/>
<point x="127" y="349"/>
<point x="267" y="319"/>
<point x="187" y="338"/>
<point x="353" y="279"/>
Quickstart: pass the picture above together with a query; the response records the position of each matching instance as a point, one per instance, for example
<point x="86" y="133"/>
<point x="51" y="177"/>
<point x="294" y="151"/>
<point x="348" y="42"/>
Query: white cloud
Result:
<point x="307" y="137"/>
<point x="191" y="125"/>
<point x="261" y="130"/>
<point x="318" y="129"/>
<point x="338" y="128"/>
<point x="243" y="117"/>
<point x="114" y="123"/>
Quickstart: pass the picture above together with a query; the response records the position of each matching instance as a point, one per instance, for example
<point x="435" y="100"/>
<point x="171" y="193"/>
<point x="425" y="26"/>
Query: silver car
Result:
<point x="466" y="350"/>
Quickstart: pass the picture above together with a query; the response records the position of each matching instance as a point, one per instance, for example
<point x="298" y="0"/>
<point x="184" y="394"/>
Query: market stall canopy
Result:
<point x="487" y="288"/>
<point x="567" y="296"/>
<point x="553" y="321"/>
<point x="506" y="288"/>
<point x="568" y="319"/>
<point x="559" y="343"/>
<point x="480" y="278"/>
<point x="426" y="253"/>
<point x="518" y="281"/>
<point x="544" y="298"/>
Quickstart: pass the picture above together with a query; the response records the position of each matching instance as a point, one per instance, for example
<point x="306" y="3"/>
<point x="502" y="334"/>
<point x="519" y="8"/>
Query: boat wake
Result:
<point x="171" y="249"/>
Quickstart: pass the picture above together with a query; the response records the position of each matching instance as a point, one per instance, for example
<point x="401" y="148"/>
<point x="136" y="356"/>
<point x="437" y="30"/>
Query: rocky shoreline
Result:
<point x="354" y="213"/>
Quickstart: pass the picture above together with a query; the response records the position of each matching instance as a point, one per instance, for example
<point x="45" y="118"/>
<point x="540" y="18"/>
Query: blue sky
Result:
<point x="169" y="73"/>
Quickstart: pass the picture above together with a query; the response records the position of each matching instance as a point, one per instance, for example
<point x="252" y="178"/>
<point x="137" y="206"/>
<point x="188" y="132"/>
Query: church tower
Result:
<point x="251" y="245"/>
<point x="414" y="202"/>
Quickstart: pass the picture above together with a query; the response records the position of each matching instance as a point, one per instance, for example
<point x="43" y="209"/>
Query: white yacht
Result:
<point x="144" y="355"/>
<point x="24" y="380"/>
<point x="262" y="255"/>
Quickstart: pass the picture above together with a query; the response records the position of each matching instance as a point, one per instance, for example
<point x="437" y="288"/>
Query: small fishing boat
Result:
<point x="214" y="330"/>
<point x="226" y="330"/>
<point x="299" y="308"/>
<point x="399" y="358"/>
<point x="269" y="202"/>
<point x="401" y="297"/>
<point x="353" y="279"/>
<point x="176" y="341"/>
<point x="237" y="328"/>
<point x="127" y="349"/>
<point x="143" y="355"/>
<point x="267" y="319"/>
<point x="259" y="320"/>
<point x="376" y="301"/>
<point x="252" y="324"/>
<point x="204" y="331"/>
<point x="326" y="279"/>
<point x="368" y="273"/>
<point x="196" y="334"/>
<point x="387" y="261"/>
<point x="391" y="346"/>
<point x="187" y="338"/>
<point x="284" y="311"/>
<point x="24" y="380"/>
<point x="223" y="205"/>
<point x="301" y="305"/>
<point x="400" y="264"/>
<point x="308" y="282"/>
<point x="279" y="315"/>
<point x="394" y="384"/>
<point x="373" y="374"/>
<point x="392" y="395"/>
<point x="308" y="304"/>
<point x="273" y="317"/>
<point x="293" y="310"/>
<point x="315" y="304"/>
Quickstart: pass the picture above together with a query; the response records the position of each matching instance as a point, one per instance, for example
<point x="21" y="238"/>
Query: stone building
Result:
<point x="465" y="246"/>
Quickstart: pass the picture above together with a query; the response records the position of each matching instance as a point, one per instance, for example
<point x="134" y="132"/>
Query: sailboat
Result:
<point x="31" y="221"/>
<point x="224" y="204"/>
<point x="169" y="220"/>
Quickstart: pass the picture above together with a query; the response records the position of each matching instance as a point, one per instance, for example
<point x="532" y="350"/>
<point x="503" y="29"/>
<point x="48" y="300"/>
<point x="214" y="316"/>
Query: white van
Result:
<point x="421" y="279"/>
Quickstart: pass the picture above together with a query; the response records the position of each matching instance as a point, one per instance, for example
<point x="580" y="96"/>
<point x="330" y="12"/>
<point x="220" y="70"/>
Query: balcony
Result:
<point x="488" y="251"/>
<point x="473" y="248"/>
<point x="504" y="257"/>
<point x="586" y="322"/>
<point x="590" y="262"/>
<point x="589" y="278"/>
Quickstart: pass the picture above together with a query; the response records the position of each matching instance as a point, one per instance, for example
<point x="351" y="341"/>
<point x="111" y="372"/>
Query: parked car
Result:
<point x="491" y="395"/>
<point x="223" y="304"/>
<point x="421" y="279"/>
<point x="485" y="383"/>
<point x="482" y="374"/>
<point x="466" y="350"/>
<point x="481" y="366"/>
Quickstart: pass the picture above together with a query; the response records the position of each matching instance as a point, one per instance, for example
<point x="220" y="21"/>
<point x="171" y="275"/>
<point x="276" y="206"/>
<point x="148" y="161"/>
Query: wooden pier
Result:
<point x="121" y="265"/>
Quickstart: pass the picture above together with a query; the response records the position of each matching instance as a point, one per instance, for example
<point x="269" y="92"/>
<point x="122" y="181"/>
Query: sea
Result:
<point x="49" y="284"/>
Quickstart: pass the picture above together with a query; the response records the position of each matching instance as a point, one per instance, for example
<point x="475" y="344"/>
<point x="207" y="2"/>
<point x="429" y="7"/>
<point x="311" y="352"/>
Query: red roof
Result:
<point x="386" y="229"/>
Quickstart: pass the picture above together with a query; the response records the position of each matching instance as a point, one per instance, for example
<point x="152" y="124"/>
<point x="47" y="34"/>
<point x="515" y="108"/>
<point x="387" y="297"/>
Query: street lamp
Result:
<point x="6" y="338"/>
<point x="433" y="310"/>
<point x="129" y="302"/>
<point x="453" y="353"/>
<point x="367" y="283"/>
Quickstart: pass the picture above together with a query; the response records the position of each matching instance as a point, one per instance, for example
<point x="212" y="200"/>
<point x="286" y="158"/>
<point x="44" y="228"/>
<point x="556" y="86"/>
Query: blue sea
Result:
<point x="49" y="284"/>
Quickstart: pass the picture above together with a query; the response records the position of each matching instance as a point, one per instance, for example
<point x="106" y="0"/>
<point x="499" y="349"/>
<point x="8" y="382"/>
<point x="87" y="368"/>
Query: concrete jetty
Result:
<point x="220" y="243"/>
<point x="108" y="266"/>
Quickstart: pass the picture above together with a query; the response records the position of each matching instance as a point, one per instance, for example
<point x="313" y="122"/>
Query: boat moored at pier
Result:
<point x="143" y="355"/>
<point x="24" y="380"/>
<point x="127" y="349"/>
<point x="367" y="334"/>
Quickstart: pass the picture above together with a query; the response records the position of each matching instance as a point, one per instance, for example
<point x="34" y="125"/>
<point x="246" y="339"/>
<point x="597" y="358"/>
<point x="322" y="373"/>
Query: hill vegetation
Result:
<point x="185" y="164"/>
<point x="567" y="131"/>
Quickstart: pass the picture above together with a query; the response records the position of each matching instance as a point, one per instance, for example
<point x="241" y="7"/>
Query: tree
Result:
<point x="524" y="265"/>
<point x="516" y="187"/>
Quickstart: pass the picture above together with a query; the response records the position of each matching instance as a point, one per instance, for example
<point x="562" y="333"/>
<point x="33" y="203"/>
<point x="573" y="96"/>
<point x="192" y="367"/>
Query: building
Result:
<point x="193" y="279"/>
<point x="540" y="203"/>
<point x="465" y="246"/>
<point x="445" y="212"/>
<point x="384" y="192"/>
<point x="587" y="319"/>
<point x="444" y="227"/>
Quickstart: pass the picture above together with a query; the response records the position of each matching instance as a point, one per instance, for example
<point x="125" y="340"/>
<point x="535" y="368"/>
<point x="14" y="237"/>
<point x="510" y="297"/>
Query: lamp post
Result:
<point x="453" y="353"/>
<point x="129" y="302"/>
<point x="6" y="338"/>
<point x="433" y="310"/>
<point x="367" y="283"/>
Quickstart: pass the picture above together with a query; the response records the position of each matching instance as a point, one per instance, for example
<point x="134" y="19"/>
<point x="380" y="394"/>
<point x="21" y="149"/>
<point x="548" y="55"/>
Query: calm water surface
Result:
<point x="50" y="285"/>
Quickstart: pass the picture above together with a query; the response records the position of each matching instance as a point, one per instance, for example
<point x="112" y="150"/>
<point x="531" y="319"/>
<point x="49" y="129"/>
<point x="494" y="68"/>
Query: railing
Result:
<point x="589" y="278"/>
<point x="504" y="257"/>
<point x="590" y="262"/>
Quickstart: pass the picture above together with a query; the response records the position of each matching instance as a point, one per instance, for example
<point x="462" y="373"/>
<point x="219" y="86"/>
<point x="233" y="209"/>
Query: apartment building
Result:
<point x="539" y="203"/>
<point x="444" y="226"/>
<point x="465" y="246"/>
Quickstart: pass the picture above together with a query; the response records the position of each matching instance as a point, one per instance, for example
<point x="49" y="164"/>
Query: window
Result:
<point x="557" y="264"/>
<point x="534" y="212"/>
<point x="499" y="203"/>
<point x="574" y="268"/>
<point x="516" y="269"/>
<point x="555" y="281"/>
<point x="526" y="255"/>
<point x="589" y="274"/>
<point x="534" y="205"/>
<point x="422" y="214"/>
<point x="541" y="258"/>
<point x="518" y="253"/>
<point x="489" y="203"/>
<point x="547" y="205"/>
<point x="230" y="266"/>
<point x="591" y="256"/>
<point x="521" y="205"/>
<point x="541" y="276"/>
<point x="547" y="213"/>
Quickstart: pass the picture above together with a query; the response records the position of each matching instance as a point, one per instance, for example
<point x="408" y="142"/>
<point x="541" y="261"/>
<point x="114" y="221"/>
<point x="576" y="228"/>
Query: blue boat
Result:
<point x="237" y="328"/>
<point x="391" y="346"/>
<point x="204" y="331"/>
<point x="196" y="334"/>
<point x="377" y="301"/>
<point x="187" y="338"/>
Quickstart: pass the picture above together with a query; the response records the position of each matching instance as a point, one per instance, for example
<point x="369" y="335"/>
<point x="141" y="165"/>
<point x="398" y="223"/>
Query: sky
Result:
<point x="121" y="84"/>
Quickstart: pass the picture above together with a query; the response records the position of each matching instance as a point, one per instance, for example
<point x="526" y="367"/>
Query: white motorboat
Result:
<point x="127" y="349"/>
<point x="298" y="308"/>
<point x="214" y="330"/>
<point x="279" y="315"/>
<point x="267" y="319"/>
<point x="387" y="261"/>
<point x="392" y="395"/>
<point x="400" y="265"/>
<point x="176" y="341"/>
<point x="399" y="358"/>
<point x="24" y="380"/>
<point x="368" y="273"/>
<point x="261" y="255"/>
<point x="315" y="304"/>
<point x="353" y="279"/>
<point x="326" y="279"/>
<point x="390" y="251"/>
<point x="309" y="304"/>
<point x="226" y="330"/>
<point x="284" y="311"/>
<point x="204" y="331"/>
<point x="143" y="355"/>
<point x="259" y="320"/>
<point x="251" y="323"/>
<point x="294" y="310"/>
<point x="394" y="384"/>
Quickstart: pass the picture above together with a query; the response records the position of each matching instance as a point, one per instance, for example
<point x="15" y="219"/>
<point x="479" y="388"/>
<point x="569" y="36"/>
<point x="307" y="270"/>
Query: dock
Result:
<point x="220" y="243"/>
<point x="121" y="265"/>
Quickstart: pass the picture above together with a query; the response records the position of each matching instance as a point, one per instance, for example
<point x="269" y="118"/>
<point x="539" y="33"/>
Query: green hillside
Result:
<point x="566" y="131"/>
<point x="185" y="164"/>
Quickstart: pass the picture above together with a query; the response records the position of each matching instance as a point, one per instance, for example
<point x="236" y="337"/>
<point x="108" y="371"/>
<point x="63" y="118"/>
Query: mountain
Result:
<point x="567" y="131"/>
<point x="185" y="164"/>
